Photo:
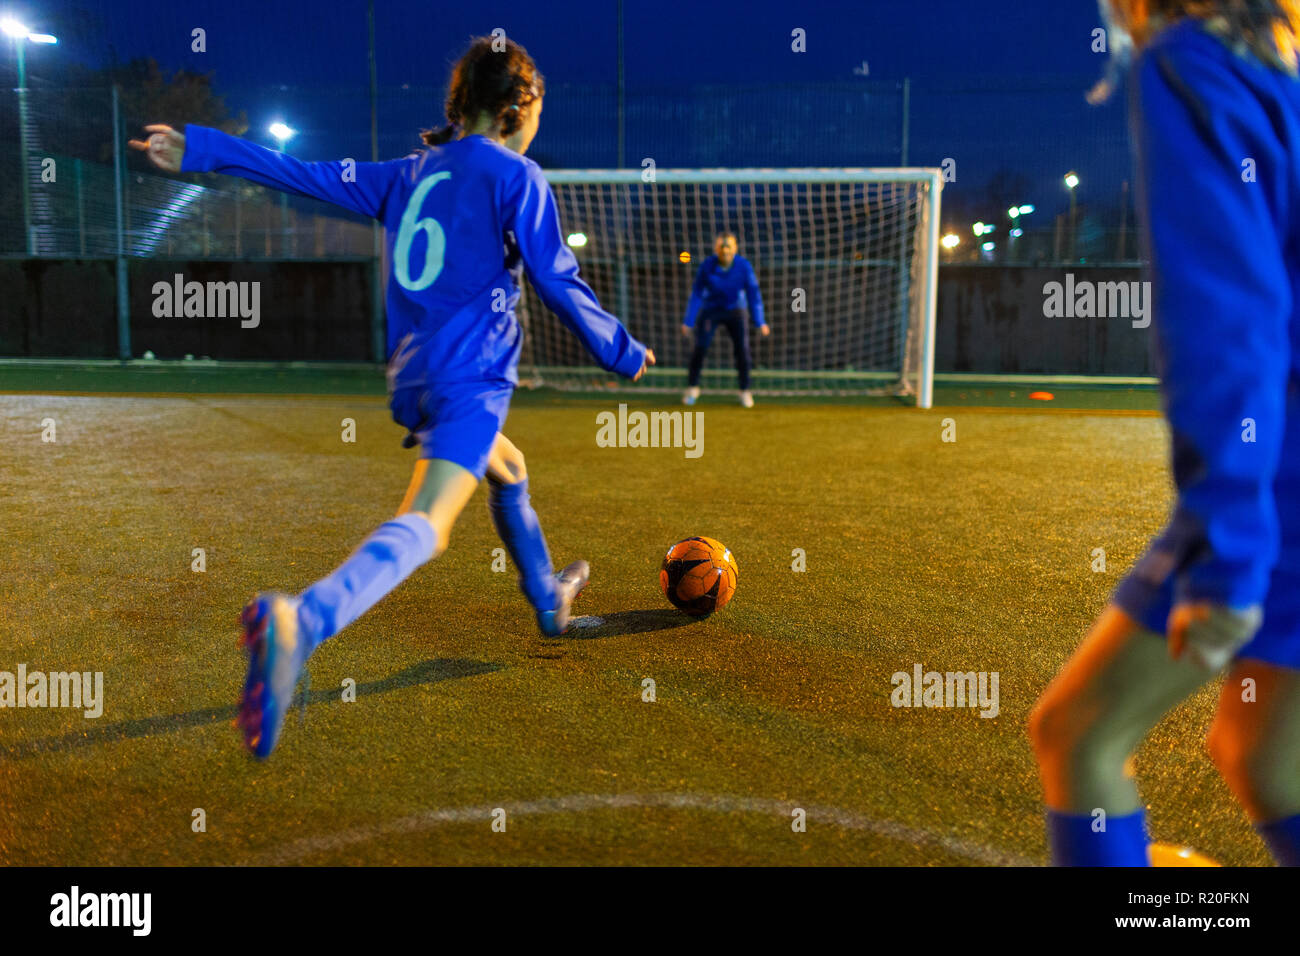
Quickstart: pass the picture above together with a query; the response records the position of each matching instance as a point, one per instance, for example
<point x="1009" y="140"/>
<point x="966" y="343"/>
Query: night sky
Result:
<point x="997" y="84"/>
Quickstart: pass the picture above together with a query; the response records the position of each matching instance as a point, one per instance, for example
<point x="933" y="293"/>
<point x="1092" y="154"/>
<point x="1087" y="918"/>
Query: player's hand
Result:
<point x="1210" y="634"/>
<point x="165" y="147"/>
<point x="649" y="360"/>
<point x="687" y="331"/>
<point x="765" y="330"/>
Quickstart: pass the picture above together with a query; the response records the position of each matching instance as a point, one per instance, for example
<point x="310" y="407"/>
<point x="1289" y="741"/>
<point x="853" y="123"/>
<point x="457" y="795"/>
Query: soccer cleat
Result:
<point x="568" y="585"/>
<point x="276" y="655"/>
<point x="1166" y="854"/>
<point x="691" y="395"/>
<point x="747" y="398"/>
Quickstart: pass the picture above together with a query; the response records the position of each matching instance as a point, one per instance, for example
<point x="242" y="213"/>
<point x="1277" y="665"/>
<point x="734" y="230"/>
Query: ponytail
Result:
<point x="489" y="79"/>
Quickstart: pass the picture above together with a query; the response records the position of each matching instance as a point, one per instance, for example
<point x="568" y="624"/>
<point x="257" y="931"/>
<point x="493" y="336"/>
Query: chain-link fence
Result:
<point x="76" y="191"/>
<point x="64" y="172"/>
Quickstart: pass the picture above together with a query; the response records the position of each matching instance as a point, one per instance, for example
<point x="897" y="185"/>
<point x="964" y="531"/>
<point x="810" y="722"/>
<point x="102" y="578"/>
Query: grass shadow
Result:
<point x="633" y="622"/>
<point x="426" y="672"/>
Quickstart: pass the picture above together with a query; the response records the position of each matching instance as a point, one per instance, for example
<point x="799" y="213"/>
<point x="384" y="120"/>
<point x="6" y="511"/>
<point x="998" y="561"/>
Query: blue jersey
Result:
<point x="719" y="289"/>
<point x="462" y="221"/>
<point x="1216" y="137"/>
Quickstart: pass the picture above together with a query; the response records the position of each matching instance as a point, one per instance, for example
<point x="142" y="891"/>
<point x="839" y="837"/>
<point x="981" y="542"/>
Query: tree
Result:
<point x="148" y="95"/>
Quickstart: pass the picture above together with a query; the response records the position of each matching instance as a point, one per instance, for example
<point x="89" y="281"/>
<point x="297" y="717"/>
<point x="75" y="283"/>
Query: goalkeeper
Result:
<point x="725" y="295"/>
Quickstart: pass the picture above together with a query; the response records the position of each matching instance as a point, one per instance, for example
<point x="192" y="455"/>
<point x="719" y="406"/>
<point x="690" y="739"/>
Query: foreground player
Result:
<point x="1216" y="122"/>
<point x="724" y="286"/>
<point x="462" y="220"/>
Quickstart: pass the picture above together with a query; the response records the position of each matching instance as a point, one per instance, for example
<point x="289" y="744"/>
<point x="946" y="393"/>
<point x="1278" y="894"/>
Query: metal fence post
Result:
<point x="123" y="299"/>
<point x="81" y="207"/>
<point x="23" y="121"/>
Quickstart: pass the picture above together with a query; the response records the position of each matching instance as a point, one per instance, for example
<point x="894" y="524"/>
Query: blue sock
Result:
<point x="1283" y="839"/>
<point x="1074" y="843"/>
<point x="521" y="533"/>
<point x="382" y="562"/>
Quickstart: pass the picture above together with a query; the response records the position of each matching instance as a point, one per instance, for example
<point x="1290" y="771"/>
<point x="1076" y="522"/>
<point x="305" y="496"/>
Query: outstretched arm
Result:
<point x="361" y="187"/>
<point x="529" y="209"/>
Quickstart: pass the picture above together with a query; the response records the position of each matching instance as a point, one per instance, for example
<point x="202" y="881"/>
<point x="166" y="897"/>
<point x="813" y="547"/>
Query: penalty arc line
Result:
<point x="580" y="803"/>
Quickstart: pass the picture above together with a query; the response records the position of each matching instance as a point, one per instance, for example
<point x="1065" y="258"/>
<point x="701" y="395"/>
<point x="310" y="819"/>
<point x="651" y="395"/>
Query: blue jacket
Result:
<point x="718" y="289"/>
<point x="1217" y="138"/>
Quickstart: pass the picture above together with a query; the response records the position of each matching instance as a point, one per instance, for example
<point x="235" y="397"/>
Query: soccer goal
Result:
<point x="847" y="263"/>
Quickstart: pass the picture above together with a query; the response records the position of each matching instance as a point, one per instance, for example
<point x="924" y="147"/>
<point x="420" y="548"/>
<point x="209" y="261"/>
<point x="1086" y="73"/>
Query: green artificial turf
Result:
<point x="970" y="555"/>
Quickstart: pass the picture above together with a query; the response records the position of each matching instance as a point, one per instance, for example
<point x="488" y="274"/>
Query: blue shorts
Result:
<point x="1147" y="593"/>
<point x="1148" y="598"/>
<point x="457" y="422"/>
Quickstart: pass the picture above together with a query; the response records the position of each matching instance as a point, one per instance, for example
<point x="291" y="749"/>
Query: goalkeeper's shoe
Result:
<point x="747" y="398"/>
<point x="568" y="585"/>
<point x="691" y="395"/>
<point x="277" y="650"/>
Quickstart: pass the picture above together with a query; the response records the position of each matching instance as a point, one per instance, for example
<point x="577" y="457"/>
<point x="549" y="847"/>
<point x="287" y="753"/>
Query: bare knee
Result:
<point x="513" y="471"/>
<point x="506" y="464"/>
<point x="1232" y="753"/>
<point x="1224" y="747"/>
<point x="1082" y="756"/>
<point x="1052" y="724"/>
<point x="1264" y="776"/>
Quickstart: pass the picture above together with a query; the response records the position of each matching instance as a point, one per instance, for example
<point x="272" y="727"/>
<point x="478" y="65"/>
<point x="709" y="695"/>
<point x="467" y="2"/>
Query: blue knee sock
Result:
<point x="382" y="562"/>
<point x="1074" y="843"/>
<point x="521" y="533"/>
<point x="1283" y="839"/>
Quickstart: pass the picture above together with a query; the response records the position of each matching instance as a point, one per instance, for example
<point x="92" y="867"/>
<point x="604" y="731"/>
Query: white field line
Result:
<point x="298" y="850"/>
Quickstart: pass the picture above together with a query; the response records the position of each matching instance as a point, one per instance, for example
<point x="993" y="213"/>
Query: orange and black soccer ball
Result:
<point x="698" y="576"/>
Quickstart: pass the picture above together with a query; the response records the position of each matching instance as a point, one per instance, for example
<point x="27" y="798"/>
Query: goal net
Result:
<point x="846" y="259"/>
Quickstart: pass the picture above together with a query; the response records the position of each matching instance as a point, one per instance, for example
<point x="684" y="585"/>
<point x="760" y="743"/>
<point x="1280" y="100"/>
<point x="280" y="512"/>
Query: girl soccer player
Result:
<point x="462" y="220"/>
<point x="1216" y="124"/>
<point x="723" y="287"/>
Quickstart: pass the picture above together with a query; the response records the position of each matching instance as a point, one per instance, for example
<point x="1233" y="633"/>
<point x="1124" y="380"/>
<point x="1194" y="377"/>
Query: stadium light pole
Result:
<point x="1072" y="183"/>
<point x="1014" y="214"/>
<point x="283" y="134"/>
<point x="21" y="36"/>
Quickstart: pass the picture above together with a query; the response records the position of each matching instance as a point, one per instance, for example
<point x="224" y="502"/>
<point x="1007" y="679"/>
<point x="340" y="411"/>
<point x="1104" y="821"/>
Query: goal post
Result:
<point x="847" y="264"/>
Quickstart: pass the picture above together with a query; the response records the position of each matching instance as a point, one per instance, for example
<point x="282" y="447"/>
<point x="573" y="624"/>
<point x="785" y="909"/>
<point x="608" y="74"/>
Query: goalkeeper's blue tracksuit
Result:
<point x="1217" y="137"/>
<point x="723" y="298"/>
